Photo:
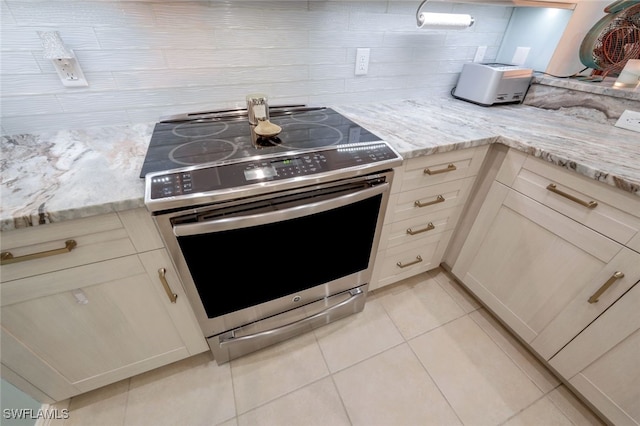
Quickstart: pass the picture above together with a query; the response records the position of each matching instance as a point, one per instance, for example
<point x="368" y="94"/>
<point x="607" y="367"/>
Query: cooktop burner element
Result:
<point x="202" y="151"/>
<point x="223" y="139"/>
<point x="197" y="129"/>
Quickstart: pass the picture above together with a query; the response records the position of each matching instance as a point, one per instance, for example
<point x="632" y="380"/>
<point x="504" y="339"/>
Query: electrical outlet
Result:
<point x="70" y="73"/>
<point x="629" y="120"/>
<point x="480" y="52"/>
<point x="362" y="61"/>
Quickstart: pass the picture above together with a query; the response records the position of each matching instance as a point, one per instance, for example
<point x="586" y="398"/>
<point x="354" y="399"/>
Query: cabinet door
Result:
<point x="92" y="325"/>
<point x="602" y="362"/>
<point x="527" y="263"/>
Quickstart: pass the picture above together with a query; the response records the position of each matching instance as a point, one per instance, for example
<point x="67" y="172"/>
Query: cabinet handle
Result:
<point x="439" y="199"/>
<point x="428" y="228"/>
<point x="616" y="276"/>
<point x="449" y="168"/>
<point x="404" y="265"/>
<point x="6" y="257"/>
<point x="588" y="204"/>
<point x="162" y="272"/>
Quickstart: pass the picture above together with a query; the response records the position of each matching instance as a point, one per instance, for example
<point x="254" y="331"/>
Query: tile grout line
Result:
<point x="407" y="342"/>
<point x="233" y="392"/>
<point x="126" y="402"/>
<point x="333" y="380"/>
<point x="544" y="395"/>
<point x="435" y="383"/>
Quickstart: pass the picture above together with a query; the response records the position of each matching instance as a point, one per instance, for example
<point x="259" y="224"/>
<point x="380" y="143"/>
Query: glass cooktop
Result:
<point x="225" y="140"/>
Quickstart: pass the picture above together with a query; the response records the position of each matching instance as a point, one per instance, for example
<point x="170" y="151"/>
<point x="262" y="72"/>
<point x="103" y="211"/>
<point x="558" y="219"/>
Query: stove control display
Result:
<point x="170" y="185"/>
<point x="184" y="183"/>
<point x="263" y="172"/>
<point x="235" y="175"/>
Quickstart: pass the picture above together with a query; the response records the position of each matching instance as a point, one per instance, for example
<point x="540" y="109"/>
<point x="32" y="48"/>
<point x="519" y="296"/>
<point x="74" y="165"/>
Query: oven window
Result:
<point x="236" y="269"/>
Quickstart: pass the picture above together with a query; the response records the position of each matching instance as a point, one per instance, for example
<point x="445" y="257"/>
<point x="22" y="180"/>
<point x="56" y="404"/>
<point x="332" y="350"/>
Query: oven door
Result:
<point x="289" y="260"/>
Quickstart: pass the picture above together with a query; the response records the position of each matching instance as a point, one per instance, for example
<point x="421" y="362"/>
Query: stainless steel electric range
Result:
<point x="271" y="236"/>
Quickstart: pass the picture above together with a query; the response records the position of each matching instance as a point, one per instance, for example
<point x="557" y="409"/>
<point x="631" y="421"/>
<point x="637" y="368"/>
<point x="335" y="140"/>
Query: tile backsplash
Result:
<point x="145" y="59"/>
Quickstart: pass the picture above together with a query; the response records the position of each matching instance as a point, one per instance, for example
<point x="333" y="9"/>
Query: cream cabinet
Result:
<point x="427" y="197"/>
<point x="104" y="303"/>
<point x="536" y="269"/>
<point x="602" y="362"/>
<point x="551" y="252"/>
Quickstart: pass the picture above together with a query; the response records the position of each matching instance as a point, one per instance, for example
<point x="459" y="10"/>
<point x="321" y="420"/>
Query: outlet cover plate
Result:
<point x="70" y="73"/>
<point x="629" y="120"/>
<point x="362" y="61"/>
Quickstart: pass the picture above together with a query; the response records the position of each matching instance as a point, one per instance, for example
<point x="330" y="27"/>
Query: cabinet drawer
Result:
<point x="420" y="227"/>
<point x="445" y="167"/>
<point x="430" y="199"/>
<point x="43" y="285"/>
<point x="96" y="239"/>
<point x="400" y="262"/>
<point x="615" y="214"/>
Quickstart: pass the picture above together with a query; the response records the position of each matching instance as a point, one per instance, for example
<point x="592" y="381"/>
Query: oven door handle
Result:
<point x="229" y="338"/>
<point x="305" y="209"/>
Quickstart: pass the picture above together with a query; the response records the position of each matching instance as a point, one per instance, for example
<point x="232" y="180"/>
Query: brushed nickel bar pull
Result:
<point x="404" y="265"/>
<point x="7" y="258"/>
<point x="439" y="199"/>
<point x="616" y="276"/>
<point x="428" y="228"/>
<point x="588" y="204"/>
<point x="449" y="168"/>
<point x="162" y="272"/>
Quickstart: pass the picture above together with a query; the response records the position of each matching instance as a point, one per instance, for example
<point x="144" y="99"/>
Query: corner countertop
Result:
<point x="51" y="177"/>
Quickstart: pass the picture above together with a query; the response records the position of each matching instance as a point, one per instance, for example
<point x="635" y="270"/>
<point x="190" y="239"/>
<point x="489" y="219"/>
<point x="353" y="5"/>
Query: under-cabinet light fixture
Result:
<point x="442" y="21"/>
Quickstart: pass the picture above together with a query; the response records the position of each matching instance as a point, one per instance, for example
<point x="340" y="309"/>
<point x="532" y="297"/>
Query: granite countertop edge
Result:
<point x="76" y="164"/>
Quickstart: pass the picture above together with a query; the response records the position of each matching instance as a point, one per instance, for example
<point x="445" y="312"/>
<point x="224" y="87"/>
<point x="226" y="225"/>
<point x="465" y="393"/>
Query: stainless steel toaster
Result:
<point x="488" y="84"/>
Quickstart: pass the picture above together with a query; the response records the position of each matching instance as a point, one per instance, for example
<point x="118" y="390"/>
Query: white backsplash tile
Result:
<point x="155" y="38"/>
<point x="260" y="39"/>
<point x="148" y="58"/>
<point x="29" y="106"/>
<point x="75" y="13"/>
<point x="18" y="63"/>
<point x="116" y="60"/>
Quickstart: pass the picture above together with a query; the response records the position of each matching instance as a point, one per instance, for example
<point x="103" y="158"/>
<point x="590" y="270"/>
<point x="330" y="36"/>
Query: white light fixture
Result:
<point x="442" y="21"/>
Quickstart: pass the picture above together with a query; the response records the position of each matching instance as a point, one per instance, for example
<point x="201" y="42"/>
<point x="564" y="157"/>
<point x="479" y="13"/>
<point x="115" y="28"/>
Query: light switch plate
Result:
<point x="629" y="120"/>
<point x="520" y="56"/>
<point x="480" y="52"/>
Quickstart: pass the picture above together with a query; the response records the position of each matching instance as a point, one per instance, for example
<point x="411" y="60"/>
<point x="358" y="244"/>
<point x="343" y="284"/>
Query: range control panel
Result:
<point x="226" y="176"/>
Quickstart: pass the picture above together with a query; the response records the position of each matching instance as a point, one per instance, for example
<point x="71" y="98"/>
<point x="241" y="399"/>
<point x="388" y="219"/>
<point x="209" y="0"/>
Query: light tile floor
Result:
<point x="423" y="352"/>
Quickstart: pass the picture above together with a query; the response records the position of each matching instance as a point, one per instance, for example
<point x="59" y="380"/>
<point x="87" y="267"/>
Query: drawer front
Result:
<point x="439" y="168"/>
<point x="597" y="206"/>
<point x="93" y="240"/>
<point x="420" y="227"/>
<point x="430" y="199"/>
<point x="59" y="231"/>
<point x="43" y="285"/>
<point x="404" y="261"/>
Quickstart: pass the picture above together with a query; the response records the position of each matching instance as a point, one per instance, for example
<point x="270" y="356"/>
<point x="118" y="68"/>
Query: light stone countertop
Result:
<point x="57" y="176"/>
